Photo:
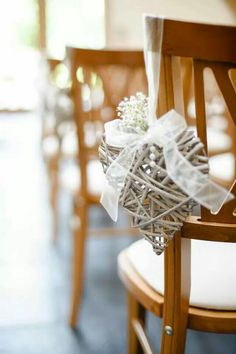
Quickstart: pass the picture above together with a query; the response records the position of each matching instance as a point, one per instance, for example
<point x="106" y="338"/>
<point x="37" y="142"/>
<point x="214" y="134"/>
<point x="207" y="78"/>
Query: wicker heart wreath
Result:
<point x="156" y="169"/>
<point x="157" y="205"/>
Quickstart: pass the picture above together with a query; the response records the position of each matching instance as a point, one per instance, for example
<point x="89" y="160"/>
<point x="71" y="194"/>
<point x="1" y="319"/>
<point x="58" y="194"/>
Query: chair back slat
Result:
<point x="221" y="73"/>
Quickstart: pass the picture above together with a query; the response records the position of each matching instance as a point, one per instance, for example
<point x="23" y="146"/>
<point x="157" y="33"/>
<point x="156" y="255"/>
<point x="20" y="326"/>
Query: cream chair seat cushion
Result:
<point x="70" y="178"/>
<point x="213" y="272"/>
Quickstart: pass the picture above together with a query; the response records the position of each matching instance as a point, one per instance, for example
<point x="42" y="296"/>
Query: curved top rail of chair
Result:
<point x="106" y="57"/>
<point x="197" y="40"/>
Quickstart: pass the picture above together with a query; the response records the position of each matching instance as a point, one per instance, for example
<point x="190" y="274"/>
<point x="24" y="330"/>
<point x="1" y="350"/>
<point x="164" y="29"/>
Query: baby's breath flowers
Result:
<point x="133" y="112"/>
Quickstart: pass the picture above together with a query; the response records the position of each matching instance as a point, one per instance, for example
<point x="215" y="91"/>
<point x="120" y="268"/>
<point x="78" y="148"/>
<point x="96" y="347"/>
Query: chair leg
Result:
<point x="177" y="291"/>
<point x="173" y="339"/>
<point x="135" y="312"/>
<point x="79" y="234"/>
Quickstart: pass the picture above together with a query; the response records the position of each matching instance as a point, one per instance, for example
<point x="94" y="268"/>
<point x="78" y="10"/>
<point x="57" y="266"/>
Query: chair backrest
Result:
<point x="100" y="80"/>
<point x="208" y="46"/>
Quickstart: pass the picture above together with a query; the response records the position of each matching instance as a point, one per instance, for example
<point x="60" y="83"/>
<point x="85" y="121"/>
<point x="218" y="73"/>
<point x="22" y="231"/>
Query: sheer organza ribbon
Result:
<point x="163" y="132"/>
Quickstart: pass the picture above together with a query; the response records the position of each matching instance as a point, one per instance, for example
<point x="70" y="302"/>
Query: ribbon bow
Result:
<point x="163" y="132"/>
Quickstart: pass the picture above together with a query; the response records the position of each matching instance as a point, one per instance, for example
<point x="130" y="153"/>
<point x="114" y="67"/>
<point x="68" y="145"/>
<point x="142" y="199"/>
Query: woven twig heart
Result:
<point x="157" y="205"/>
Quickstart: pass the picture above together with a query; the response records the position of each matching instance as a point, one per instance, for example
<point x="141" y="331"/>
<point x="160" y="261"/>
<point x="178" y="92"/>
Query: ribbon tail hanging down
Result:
<point x="115" y="180"/>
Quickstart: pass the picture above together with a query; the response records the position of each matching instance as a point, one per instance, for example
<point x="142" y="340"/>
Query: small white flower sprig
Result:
<point x="133" y="113"/>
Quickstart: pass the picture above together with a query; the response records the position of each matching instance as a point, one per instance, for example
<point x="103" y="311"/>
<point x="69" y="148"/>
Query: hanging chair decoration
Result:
<point x="156" y="169"/>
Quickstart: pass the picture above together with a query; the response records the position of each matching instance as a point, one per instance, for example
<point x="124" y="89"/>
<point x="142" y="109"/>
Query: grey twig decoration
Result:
<point x="157" y="205"/>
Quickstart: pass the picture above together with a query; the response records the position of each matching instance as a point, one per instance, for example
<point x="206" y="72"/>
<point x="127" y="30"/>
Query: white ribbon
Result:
<point x="163" y="132"/>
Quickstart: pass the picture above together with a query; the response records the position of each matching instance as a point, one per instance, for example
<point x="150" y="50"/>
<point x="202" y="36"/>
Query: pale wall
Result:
<point x="124" y="17"/>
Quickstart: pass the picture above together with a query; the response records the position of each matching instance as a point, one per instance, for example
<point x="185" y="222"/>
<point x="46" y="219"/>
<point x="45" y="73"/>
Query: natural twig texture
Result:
<point x="157" y="205"/>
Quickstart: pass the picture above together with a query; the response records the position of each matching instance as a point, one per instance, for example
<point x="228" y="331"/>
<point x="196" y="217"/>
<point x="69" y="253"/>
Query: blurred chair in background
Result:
<point x="162" y="284"/>
<point x="59" y="140"/>
<point x="100" y="80"/>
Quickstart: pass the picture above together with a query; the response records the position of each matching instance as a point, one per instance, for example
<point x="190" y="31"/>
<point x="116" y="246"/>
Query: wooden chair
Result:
<point x="208" y="271"/>
<point x="100" y="80"/>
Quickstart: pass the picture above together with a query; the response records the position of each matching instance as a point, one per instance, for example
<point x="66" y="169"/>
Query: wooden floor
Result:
<point x="35" y="275"/>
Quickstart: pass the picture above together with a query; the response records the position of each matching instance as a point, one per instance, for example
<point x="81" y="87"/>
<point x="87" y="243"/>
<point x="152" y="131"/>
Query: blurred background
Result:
<point x="40" y="169"/>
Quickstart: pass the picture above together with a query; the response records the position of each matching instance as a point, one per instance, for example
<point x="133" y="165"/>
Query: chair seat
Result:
<point x="213" y="272"/>
<point x="70" y="178"/>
